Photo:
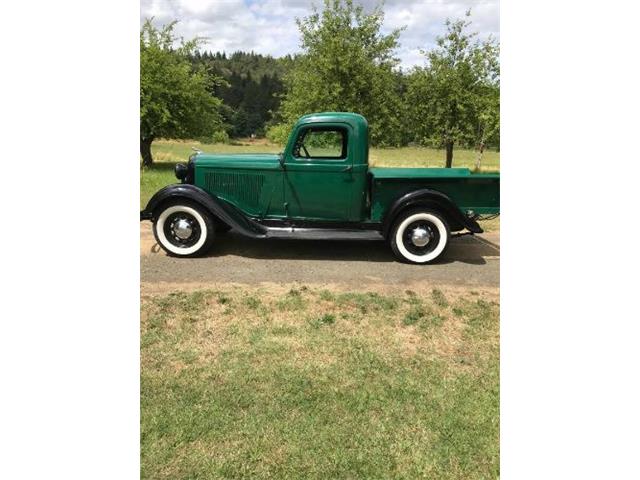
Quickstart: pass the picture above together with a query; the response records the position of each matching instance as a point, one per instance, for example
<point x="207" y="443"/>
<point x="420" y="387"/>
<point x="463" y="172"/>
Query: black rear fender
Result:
<point x="432" y="200"/>
<point x="218" y="208"/>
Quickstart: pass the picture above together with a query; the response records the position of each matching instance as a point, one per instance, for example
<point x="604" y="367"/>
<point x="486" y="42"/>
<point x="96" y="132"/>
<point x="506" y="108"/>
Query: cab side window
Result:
<point x="329" y="143"/>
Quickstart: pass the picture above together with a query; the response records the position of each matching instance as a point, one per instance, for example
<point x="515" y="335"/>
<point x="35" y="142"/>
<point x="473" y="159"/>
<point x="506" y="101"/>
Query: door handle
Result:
<point x="347" y="169"/>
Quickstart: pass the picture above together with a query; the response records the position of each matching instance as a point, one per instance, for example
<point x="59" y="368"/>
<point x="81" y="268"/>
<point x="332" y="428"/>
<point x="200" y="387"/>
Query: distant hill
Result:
<point x="252" y="91"/>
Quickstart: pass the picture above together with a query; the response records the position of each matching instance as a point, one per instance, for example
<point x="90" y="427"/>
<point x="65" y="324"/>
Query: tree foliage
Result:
<point x="175" y="95"/>
<point x="347" y="65"/>
<point x="455" y="98"/>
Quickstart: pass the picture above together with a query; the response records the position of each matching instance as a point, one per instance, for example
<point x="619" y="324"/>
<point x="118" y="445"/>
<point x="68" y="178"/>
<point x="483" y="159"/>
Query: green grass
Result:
<point x="317" y="384"/>
<point x="168" y="152"/>
<point x="431" y="157"/>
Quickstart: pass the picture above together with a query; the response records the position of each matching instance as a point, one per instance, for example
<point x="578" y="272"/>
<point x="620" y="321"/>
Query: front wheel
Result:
<point x="184" y="229"/>
<point x="419" y="236"/>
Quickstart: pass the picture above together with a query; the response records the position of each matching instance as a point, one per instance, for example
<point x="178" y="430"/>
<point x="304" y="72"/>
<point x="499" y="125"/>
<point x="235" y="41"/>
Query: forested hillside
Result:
<point x="250" y="86"/>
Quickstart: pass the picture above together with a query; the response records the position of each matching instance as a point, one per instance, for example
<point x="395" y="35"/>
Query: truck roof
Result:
<point x="355" y="120"/>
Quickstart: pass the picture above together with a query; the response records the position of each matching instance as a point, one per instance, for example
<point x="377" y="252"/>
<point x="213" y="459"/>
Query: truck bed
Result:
<point x="479" y="192"/>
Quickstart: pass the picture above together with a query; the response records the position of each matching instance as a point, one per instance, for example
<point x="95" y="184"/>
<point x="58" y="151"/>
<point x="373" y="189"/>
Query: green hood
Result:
<point x="262" y="161"/>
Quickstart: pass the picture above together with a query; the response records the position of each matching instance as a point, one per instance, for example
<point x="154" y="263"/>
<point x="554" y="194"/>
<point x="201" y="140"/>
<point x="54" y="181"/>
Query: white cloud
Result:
<point x="268" y="26"/>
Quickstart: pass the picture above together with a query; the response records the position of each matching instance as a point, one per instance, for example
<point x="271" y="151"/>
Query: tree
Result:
<point x="347" y="65"/>
<point x="454" y="99"/>
<point x="175" y="98"/>
<point x="488" y="121"/>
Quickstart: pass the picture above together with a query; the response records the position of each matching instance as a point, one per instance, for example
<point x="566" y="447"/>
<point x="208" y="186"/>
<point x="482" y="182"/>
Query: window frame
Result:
<point x="303" y="132"/>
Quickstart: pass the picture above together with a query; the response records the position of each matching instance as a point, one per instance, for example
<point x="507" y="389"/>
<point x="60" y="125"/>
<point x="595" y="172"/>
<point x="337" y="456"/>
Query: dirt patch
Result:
<point x="148" y="244"/>
<point x="277" y="289"/>
<point x="421" y="322"/>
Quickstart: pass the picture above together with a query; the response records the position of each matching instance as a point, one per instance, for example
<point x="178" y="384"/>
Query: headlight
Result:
<point x="181" y="171"/>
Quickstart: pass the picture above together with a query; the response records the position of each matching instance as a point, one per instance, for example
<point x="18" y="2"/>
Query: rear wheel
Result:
<point x="419" y="236"/>
<point x="184" y="229"/>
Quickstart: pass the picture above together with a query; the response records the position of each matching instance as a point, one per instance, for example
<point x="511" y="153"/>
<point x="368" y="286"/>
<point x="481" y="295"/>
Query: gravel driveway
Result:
<point x="469" y="261"/>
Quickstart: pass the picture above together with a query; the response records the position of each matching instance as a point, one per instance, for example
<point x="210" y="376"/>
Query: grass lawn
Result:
<point x="309" y="383"/>
<point x="168" y="152"/>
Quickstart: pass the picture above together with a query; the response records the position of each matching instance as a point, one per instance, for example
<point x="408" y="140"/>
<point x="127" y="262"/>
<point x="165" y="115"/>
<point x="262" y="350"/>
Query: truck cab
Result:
<point x="320" y="187"/>
<point x="325" y="165"/>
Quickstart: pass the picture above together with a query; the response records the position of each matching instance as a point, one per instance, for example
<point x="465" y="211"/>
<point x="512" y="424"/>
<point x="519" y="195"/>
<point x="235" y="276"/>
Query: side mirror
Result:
<point x="281" y="160"/>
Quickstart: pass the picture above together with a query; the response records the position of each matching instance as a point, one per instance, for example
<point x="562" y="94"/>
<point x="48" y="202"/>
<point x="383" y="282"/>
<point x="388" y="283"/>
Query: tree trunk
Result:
<point x="449" y="148"/>
<point x="479" y="157"/>
<point x="145" y="151"/>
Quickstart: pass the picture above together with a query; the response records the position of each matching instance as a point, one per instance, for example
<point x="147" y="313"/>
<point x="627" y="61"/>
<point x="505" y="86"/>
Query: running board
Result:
<point x="322" y="234"/>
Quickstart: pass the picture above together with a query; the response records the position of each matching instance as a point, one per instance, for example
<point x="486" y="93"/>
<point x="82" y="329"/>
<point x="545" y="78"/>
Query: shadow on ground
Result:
<point x="464" y="249"/>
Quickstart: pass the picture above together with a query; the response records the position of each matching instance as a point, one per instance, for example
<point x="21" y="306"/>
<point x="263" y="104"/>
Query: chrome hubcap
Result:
<point x="182" y="229"/>
<point x="420" y="237"/>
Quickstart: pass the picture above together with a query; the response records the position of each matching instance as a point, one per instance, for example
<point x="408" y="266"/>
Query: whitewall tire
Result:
<point x="419" y="236"/>
<point x="183" y="229"/>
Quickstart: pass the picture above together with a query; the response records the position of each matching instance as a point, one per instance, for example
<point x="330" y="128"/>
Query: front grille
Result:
<point x="243" y="187"/>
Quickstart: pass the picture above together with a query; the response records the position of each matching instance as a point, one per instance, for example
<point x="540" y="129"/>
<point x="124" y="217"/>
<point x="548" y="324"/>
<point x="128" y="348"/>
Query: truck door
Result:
<point x="318" y="176"/>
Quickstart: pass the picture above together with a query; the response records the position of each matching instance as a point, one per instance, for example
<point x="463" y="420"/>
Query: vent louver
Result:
<point x="243" y="187"/>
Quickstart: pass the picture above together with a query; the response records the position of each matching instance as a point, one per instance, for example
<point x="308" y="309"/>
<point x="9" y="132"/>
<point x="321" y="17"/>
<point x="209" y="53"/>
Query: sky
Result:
<point x="268" y="26"/>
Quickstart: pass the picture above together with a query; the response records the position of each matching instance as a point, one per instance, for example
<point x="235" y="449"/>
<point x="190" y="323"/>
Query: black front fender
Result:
<point x="220" y="209"/>
<point x="435" y="200"/>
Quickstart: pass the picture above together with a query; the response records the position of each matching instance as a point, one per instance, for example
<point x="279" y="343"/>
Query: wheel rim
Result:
<point x="181" y="230"/>
<point x="421" y="237"/>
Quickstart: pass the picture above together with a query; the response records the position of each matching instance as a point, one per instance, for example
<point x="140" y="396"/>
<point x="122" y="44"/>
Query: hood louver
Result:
<point x="242" y="187"/>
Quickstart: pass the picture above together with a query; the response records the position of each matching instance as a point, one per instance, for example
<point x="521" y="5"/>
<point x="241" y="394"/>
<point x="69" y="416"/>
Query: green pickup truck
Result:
<point x="320" y="187"/>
